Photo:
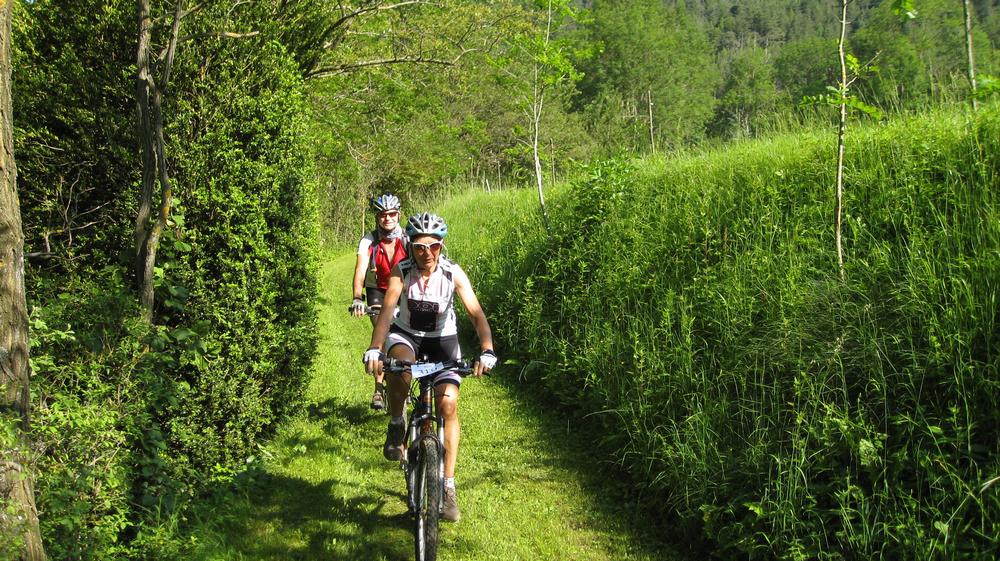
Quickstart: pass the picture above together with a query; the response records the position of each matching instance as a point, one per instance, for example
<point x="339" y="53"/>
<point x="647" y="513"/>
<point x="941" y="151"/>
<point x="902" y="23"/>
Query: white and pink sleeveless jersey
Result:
<point x="428" y="311"/>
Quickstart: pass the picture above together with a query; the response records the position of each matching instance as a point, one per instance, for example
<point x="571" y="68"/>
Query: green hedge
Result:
<point x="693" y="307"/>
<point x="134" y="425"/>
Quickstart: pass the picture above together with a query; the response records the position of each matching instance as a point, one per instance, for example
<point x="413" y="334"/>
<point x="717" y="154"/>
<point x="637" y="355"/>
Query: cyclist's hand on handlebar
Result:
<point x="358" y="307"/>
<point x="372" y="360"/>
<point x="486" y="361"/>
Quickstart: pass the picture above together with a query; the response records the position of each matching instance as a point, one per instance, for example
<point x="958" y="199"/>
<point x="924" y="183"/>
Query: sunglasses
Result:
<point x="433" y="246"/>
<point x="389" y="214"/>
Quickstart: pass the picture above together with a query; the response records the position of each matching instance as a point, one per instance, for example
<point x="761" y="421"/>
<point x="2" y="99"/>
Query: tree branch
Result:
<point x="227" y="34"/>
<point x="346" y="18"/>
<point x="345" y="68"/>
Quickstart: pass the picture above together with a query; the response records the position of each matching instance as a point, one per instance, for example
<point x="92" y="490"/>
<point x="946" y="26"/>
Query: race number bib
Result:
<point x="423" y="314"/>
<point x="421" y="370"/>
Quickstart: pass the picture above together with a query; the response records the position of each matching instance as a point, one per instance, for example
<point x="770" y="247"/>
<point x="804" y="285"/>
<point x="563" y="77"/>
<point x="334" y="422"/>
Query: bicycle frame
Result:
<point x="425" y="437"/>
<point x="424" y="421"/>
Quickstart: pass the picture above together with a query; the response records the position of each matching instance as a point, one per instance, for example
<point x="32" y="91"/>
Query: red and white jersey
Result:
<point x="379" y="264"/>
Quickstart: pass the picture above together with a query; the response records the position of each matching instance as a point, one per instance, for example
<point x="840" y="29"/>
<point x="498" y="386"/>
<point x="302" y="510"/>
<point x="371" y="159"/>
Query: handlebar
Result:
<point x="369" y="310"/>
<point x="420" y="369"/>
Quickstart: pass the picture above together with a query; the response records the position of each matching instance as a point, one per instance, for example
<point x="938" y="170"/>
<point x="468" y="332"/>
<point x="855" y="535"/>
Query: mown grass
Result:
<point x="691" y="309"/>
<point x="323" y="491"/>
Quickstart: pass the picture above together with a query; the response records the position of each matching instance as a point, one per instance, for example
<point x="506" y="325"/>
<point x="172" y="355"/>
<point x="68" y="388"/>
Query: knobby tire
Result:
<point x="428" y="493"/>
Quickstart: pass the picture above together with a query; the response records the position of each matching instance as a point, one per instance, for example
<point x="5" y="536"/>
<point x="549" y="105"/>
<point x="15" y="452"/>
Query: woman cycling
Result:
<point x="424" y="286"/>
<point x="378" y="252"/>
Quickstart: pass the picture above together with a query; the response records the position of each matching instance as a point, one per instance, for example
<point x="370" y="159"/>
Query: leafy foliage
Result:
<point x="73" y="107"/>
<point x="134" y="424"/>
<point x="280" y="112"/>
<point x="646" y="46"/>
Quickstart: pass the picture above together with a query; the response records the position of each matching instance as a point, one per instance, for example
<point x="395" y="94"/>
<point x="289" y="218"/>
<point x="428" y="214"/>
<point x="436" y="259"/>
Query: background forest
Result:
<point x="210" y="152"/>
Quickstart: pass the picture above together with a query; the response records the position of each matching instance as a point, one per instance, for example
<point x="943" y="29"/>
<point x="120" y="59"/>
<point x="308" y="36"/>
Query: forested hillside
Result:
<point x="183" y="166"/>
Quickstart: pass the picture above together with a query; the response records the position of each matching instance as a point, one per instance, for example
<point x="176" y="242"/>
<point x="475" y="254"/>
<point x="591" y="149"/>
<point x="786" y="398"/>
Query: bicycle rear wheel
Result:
<point x="428" y="495"/>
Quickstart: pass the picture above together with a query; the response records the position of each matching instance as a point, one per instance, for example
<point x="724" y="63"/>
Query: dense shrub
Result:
<point x="92" y="398"/>
<point x="133" y="422"/>
<point x="243" y="259"/>
<point x="693" y="307"/>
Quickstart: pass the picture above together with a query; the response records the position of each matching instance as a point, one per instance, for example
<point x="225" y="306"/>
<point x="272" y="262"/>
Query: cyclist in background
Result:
<point x="424" y="285"/>
<point x="378" y="252"/>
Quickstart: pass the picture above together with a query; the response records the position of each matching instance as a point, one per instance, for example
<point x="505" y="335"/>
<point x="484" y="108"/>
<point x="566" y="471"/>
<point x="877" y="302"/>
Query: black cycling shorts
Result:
<point x="375" y="297"/>
<point x="435" y="349"/>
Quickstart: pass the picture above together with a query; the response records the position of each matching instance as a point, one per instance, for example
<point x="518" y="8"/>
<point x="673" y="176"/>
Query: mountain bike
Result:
<point x="423" y="460"/>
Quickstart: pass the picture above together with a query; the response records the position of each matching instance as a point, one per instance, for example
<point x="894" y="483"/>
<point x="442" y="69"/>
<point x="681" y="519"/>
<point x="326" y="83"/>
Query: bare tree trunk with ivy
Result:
<point x="969" y="52"/>
<point x="149" y="110"/>
<point x="841" y="134"/>
<point x="19" y="532"/>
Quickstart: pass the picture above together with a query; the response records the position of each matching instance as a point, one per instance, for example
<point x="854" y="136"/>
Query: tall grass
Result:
<point x="691" y="307"/>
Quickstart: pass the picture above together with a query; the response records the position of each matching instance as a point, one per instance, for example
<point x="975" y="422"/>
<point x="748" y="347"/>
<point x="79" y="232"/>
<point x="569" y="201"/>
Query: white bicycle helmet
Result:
<point x="385" y="202"/>
<point x="426" y="224"/>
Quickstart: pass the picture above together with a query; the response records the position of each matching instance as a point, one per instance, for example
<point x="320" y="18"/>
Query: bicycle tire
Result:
<point x="428" y="498"/>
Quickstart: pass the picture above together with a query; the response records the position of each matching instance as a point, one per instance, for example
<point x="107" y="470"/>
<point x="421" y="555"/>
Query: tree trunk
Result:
<point x="536" y="117"/>
<point x="16" y="477"/>
<point x="969" y="53"/>
<point x="149" y="96"/>
<point x="144" y="129"/>
<point x="841" y="133"/>
<point x="537" y="103"/>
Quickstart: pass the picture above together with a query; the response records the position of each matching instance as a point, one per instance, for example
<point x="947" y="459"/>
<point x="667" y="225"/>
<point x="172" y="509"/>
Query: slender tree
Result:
<point x="153" y="70"/>
<point x="550" y="68"/>
<point x="841" y="134"/>
<point x="969" y="53"/>
<point x="537" y="103"/>
<point x="649" y="107"/>
<point x="17" y="497"/>
<point x="841" y="97"/>
<point x="149" y="108"/>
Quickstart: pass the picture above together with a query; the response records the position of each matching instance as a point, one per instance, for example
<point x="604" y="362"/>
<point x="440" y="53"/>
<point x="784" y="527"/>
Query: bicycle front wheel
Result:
<point x="428" y="494"/>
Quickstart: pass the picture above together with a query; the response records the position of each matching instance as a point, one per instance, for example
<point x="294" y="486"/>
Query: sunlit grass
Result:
<point x="690" y="306"/>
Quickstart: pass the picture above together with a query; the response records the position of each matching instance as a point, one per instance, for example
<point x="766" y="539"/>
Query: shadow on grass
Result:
<point x="292" y="519"/>
<point x="334" y="410"/>
<point x="322" y="517"/>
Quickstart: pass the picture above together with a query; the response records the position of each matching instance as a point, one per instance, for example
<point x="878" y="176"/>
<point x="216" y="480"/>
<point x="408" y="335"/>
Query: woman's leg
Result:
<point x="447" y="406"/>
<point x="399" y="384"/>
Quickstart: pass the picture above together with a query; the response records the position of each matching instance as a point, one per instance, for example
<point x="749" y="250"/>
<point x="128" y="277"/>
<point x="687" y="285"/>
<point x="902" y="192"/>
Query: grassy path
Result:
<point x="526" y="487"/>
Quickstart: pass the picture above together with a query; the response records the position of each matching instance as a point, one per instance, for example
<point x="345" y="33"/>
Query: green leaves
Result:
<point x="905" y="9"/>
<point x="987" y="86"/>
<point x="178" y="295"/>
<point x="837" y="96"/>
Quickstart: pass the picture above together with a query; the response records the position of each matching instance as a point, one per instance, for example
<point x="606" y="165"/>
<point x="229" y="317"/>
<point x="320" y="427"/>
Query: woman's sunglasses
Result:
<point x="433" y="246"/>
<point x="389" y="214"/>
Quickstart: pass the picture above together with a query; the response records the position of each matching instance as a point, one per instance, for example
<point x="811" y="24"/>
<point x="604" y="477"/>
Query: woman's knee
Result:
<point x="447" y="403"/>
<point x="401" y="352"/>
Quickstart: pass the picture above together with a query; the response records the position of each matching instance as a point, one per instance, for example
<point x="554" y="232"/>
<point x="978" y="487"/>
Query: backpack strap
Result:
<point x="445" y="265"/>
<point x="372" y="249"/>
<point x="405" y="266"/>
